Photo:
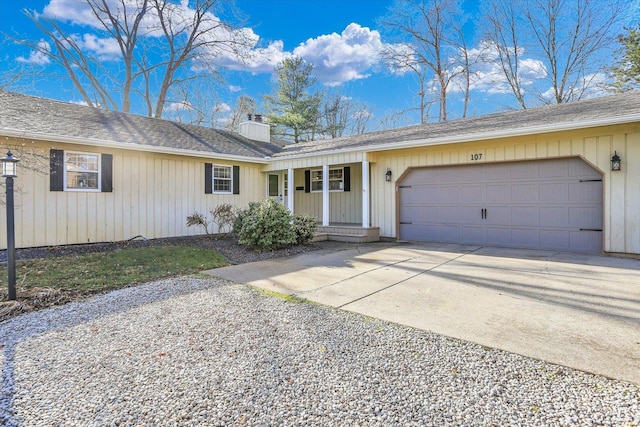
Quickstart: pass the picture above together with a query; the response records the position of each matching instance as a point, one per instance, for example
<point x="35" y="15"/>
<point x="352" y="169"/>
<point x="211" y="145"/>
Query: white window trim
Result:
<point x="341" y="189"/>
<point x="213" y="179"/>
<point x="83" y="190"/>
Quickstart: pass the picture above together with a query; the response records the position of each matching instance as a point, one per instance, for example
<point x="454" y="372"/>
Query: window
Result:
<point x="82" y="171"/>
<point x="336" y="180"/>
<point x="221" y="179"/>
<point x="74" y="171"/>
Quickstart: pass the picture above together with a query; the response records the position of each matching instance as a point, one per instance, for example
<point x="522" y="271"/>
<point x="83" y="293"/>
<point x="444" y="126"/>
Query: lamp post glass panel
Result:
<point x="615" y="162"/>
<point x="9" y="164"/>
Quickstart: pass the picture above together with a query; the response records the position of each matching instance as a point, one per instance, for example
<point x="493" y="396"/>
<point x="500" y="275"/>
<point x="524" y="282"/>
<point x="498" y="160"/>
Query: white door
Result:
<point x="277" y="188"/>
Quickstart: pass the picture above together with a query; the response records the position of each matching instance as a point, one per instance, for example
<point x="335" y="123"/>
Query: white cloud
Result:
<point x="223" y="107"/>
<point x="590" y="86"/>
<point x="338" y="58"/>
<point x="254" y="59"/>
<point x="37" y="57"/>
<point x="234" y="88"/>
<point x="78" y="102"/>
<point x="487" y="75"/>
<point x="105" y="48"/>
<point x="73" y="11"/>
<point x="178" y="106"/>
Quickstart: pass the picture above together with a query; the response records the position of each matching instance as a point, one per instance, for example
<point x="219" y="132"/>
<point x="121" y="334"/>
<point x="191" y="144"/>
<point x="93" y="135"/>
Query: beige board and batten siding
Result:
<point x="152" y="196"/>
<point x="345" y="207"/>
<point x="621" y="197"/>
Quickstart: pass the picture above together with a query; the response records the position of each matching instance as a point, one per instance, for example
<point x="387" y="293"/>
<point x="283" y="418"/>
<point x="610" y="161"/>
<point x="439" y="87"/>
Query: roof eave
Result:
<point x="128" y="146"/>
<point x="480" y="136"/>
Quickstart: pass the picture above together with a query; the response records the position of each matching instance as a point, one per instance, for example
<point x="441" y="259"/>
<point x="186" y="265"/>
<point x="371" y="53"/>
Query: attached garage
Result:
<point x="553" y="204"/>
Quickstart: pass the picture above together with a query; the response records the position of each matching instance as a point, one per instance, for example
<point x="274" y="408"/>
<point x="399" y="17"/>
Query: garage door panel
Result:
<point x="497" y="236"/>
<point x="558" y="215"/>
<point x="472" y="234"/>
<point x="523" y="170"/>
<point x="585" y="217"/>
<point x="497" y="215"/>
<point x="525" y="237"/>
<point x="525" y="216"/>
<point x="553" y="169"/>
<point x="472" y="194"/>
<point x="530" y="204"/>
<point x="524" y="193"/>
<point x="553" y="192"/>
<point x="497" y="193"/>
<point x="586" y="192"/>
<point x="581" y="169"/>
<point x="556" y="239"/>
<point x="582" y="241"/>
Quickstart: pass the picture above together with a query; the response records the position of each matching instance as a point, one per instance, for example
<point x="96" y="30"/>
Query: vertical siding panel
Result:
<point x="25" y="202"/>
<point x="154" y="191"/>
<point x="119" y="217"/>
<point x="72" y="207"/>
<point x="590" y="150"/>
<point x="132" y="198"/>
<point x="616" y="184"/>
<point x="630" y="149"/>
<point x="170" y="197"/>
<point x="144" y="220"/>
<point x="565" y="147"/>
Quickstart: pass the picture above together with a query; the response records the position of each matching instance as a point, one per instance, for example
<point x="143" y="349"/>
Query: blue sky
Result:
<point x="338" y="36"/>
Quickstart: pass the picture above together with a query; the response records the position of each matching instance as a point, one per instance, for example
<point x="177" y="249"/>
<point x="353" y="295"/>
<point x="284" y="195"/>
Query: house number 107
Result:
<point x="476" y="157"/>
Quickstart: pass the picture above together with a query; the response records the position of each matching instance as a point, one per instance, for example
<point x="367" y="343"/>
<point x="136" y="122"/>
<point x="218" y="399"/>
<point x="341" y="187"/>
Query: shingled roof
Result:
<point x="612" y="109"/>
<point x="59" y="120"/>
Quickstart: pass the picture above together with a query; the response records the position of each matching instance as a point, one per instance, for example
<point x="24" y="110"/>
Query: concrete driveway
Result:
<point x="579" y="311"/>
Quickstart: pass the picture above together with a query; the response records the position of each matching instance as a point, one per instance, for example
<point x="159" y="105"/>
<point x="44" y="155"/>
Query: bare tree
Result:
<point x="429" y="38"/>
<point x="501" y="29"/>
<point x="245" y="105"/>
<point x="344" y="116"/>
<point x="156" y="39"/>
<point x="566" y="37"/>
<point x="360" y="120"/>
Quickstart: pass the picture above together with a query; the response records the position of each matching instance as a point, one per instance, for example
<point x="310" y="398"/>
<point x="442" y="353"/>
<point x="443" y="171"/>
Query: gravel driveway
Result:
<point x="200" y="351"/>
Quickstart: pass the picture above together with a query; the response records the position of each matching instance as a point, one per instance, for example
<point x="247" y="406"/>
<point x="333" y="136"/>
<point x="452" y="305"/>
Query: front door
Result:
<point x="277" y="187"/>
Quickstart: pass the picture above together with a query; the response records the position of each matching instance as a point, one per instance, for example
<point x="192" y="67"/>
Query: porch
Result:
<point x="344" y="232"/>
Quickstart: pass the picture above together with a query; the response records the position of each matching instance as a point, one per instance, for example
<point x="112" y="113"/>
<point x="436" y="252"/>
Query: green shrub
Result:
<point x="265" y="226"/>
<point x="304" y="227"/>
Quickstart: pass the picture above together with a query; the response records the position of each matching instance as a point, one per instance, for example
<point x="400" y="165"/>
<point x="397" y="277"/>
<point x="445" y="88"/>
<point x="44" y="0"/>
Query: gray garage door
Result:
<point x="543" y="204"/>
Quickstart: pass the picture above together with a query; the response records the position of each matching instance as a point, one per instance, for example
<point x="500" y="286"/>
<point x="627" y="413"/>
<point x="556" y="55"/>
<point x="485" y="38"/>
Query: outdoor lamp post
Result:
<point x="9" y="164"/>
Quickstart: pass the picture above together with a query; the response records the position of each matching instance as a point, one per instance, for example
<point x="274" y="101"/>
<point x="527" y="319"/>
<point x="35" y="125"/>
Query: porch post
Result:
<point x="290" y="188"/>
<point x="325" y="195"/>
<point x="366" y="195"/>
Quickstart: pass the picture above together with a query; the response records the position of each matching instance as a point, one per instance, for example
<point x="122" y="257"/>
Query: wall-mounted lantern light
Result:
<point x="9" y="169"/>
<point x="387" y="176"/>
<point x="615" y="162"/>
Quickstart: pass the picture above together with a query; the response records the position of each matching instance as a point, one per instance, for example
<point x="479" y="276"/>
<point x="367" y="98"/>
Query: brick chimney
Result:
<point x="254" y="129"/>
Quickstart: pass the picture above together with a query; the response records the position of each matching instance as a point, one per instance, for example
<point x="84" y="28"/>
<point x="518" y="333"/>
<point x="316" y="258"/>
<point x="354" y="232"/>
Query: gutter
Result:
<point x="129" y="146"/>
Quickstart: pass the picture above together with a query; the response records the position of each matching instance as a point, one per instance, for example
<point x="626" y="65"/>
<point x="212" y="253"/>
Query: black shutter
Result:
<point x="208" y="178"/>
<point x="346" y="175"/>
<point x="307" y="181"/>
<point x="56" y="170"/>
<point x="236" y="180"/>
<point x="106" y="184"/>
